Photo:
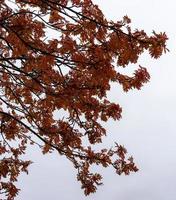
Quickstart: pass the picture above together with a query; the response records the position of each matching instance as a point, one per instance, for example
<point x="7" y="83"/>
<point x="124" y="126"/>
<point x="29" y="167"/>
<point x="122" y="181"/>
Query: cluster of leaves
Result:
<point x="71" y="70"/>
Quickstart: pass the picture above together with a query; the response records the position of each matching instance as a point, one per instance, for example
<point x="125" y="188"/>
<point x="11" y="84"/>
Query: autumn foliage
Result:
<point x="57" y="61"/>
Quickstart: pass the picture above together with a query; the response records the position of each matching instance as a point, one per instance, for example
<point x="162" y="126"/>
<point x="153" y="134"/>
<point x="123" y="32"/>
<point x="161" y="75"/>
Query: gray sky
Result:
<point x="147" y="128"/>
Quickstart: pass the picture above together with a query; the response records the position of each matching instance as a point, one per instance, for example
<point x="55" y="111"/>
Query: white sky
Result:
<point x="147" y="128"/>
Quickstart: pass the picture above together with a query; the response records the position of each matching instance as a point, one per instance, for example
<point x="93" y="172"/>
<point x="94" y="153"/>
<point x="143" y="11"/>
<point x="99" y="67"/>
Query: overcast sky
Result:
<point x="147" y="129"/>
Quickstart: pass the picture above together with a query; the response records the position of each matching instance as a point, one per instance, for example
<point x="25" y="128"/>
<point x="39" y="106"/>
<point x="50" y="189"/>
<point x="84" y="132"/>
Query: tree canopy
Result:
<point x="60" y="56"/>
